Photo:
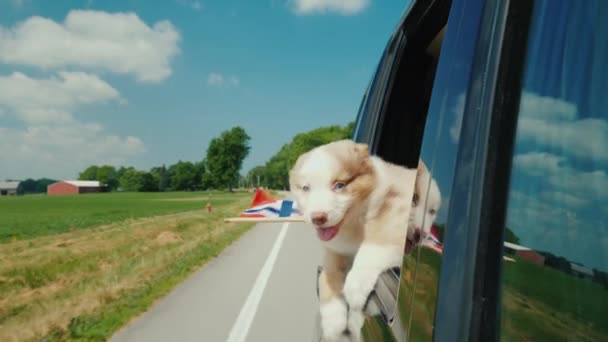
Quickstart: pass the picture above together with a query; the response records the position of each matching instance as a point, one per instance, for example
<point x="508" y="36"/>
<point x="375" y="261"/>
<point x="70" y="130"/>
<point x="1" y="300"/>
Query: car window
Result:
<point x="555" y="280"/>
<point x="399" y="131"/>
<point x="420" y="270"/>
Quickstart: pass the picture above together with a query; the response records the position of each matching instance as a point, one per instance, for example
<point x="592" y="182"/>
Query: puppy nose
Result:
<point x="319" y="218"/>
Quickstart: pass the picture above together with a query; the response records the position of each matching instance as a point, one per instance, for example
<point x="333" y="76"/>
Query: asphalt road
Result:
<point x="262" y="288"/>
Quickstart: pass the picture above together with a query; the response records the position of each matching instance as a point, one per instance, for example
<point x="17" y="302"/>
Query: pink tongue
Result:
<point x="327" y="234"/>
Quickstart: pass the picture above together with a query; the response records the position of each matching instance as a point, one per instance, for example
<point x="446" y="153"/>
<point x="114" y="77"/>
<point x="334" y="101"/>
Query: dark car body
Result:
<point x="507" y="104"/>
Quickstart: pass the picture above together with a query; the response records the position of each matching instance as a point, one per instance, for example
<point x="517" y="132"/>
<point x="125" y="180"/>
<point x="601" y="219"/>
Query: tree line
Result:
<point x="274" y="173"/>
<point x="221" y="166"/>
<point x="219" y="169"/>
<point x="34" y="186"/>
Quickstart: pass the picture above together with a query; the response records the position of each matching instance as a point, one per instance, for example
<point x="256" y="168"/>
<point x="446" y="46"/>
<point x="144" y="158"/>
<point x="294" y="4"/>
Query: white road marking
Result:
<point x="240" y="329"/>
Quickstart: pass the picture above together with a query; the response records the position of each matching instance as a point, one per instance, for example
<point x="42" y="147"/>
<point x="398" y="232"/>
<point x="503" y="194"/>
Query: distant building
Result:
<point x="581" y="271"/>
<point x="9" y="188"/>
<point x="73" y="187"/>
<point x="524" y="253"/>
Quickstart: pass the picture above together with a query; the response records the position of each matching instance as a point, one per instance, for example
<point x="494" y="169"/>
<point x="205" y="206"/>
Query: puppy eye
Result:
<point x="432" y="211"/>
<point x="415" y="199"/>
<point x="339" y="186"/>
<point x="305" y="188"/>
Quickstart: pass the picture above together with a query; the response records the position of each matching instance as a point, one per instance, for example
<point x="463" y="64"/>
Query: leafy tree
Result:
<point x="161" y="177"/>
<point x="225" y="156"/>
<point x="43" y="183"/>
<point x="107" y="174"/>
<point x="558" y="262"/>
<point x="276" y="170"/>
<point x="255" y="174"/>
<point x="136" y="180"/>
<point x="129" y="180"/>
<point x="32" y="186"/>
<point x="146" y="182"/>
<point x="183" y="176"/>
<point x="28" y="186"/>
<point x="90" y="173"/>
<point x="511" y="237"/>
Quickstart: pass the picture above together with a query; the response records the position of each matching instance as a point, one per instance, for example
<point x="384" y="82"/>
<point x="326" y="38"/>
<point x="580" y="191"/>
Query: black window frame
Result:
<point x="469" y="291"/>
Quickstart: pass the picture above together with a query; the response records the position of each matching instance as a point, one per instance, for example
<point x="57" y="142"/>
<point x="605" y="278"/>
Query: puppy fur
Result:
<point x="425" y="204"/>
<point x="359" y="205"/>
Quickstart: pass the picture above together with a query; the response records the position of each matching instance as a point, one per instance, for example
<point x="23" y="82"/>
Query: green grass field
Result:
<point x="80" y="267"/>
<point x="538" y="304"/>
<point x="36" y="215"/>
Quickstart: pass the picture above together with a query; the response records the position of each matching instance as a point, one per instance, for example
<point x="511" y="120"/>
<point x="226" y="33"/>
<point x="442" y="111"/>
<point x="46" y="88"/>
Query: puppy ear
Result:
<point x="421" y="167"/>
<point x="420" y="172"/>
<point x="362" y="150"/>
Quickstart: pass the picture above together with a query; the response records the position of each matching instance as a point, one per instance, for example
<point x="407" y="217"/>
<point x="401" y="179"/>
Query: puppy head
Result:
<point x="425" y="205"/>
<point x="328" y="181"/>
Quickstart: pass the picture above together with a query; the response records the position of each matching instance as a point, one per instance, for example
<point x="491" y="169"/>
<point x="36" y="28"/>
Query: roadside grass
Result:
<point x="30" y="216"/>
<point x="84" y="284"/>
<point x="538" y="303"/>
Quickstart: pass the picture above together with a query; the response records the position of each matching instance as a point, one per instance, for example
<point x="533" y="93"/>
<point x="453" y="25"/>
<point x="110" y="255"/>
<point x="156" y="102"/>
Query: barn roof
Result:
<point x="80" y="183"/>
<point x="516" y="247"/>
<point x="9" y="184"/>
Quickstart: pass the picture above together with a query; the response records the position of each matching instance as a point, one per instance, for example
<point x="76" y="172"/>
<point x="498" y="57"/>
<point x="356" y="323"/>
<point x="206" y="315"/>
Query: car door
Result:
<point x="525" y="254"/>
<point x="465" y="34"/>
<point x="517" y="83"/>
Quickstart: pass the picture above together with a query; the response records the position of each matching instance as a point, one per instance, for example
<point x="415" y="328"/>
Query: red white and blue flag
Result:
<point x="264" y="205"/>
<point x="433" y="241"/>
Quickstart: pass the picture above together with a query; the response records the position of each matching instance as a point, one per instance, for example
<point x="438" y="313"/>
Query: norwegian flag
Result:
<point x="432" y="241"/>
<point x="264" y="205"/>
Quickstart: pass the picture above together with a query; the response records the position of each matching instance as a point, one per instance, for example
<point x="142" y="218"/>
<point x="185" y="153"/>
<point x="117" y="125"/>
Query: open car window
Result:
<point x="400" y="131"/>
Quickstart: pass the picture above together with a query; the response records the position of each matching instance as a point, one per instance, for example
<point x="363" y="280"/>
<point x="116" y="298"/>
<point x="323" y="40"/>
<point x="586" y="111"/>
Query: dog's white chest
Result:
<point x="342" y="246"/>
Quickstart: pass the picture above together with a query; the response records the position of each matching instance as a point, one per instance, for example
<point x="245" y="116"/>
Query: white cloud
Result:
<point x="52" y="99"/>
<point x="195" y="5"/>
<point x="117" y="42"/>
<point x="584" y="138"/>
<point x="547" y="108"/>
<point x="563" y="199"/>
<point x="556" y="176"/>
<point x="538" y="163"/>
<point x="549" y="122"/>
<point x="60" y="150"/>
<point x="218" y="80"/>
<point x="343" y="7"/>
<point x="553" y="123"/>
<point x="53" y="142"/>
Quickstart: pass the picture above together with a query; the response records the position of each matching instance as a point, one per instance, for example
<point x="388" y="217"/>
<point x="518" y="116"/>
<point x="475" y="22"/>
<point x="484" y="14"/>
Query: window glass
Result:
<point x="555" y="280"/>
<point x="420" y="269"/>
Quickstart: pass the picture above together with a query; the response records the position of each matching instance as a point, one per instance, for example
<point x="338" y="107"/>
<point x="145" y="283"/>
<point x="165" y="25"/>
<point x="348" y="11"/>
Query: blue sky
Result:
<point x="559" y="184"/>
<point x="87" y="83"/>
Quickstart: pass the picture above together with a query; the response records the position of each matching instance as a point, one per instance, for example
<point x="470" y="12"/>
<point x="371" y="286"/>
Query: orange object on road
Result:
<point x="209" y="207"/>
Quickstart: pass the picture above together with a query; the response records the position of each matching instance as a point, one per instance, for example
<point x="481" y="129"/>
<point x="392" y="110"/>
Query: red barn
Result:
<point x="74" y="187"/>
<point x="524" y="253"/>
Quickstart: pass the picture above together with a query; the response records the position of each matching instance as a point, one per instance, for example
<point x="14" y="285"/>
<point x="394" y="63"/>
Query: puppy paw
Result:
<point x="357" y="287"/>
<point x="334" y="320"/>
<point x="356" y="319"/>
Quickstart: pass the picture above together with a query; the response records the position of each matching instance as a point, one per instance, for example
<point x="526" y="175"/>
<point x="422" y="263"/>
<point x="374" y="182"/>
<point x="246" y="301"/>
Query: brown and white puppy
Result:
<point x="359" y="205"/>
<point x="425" y="205"/>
